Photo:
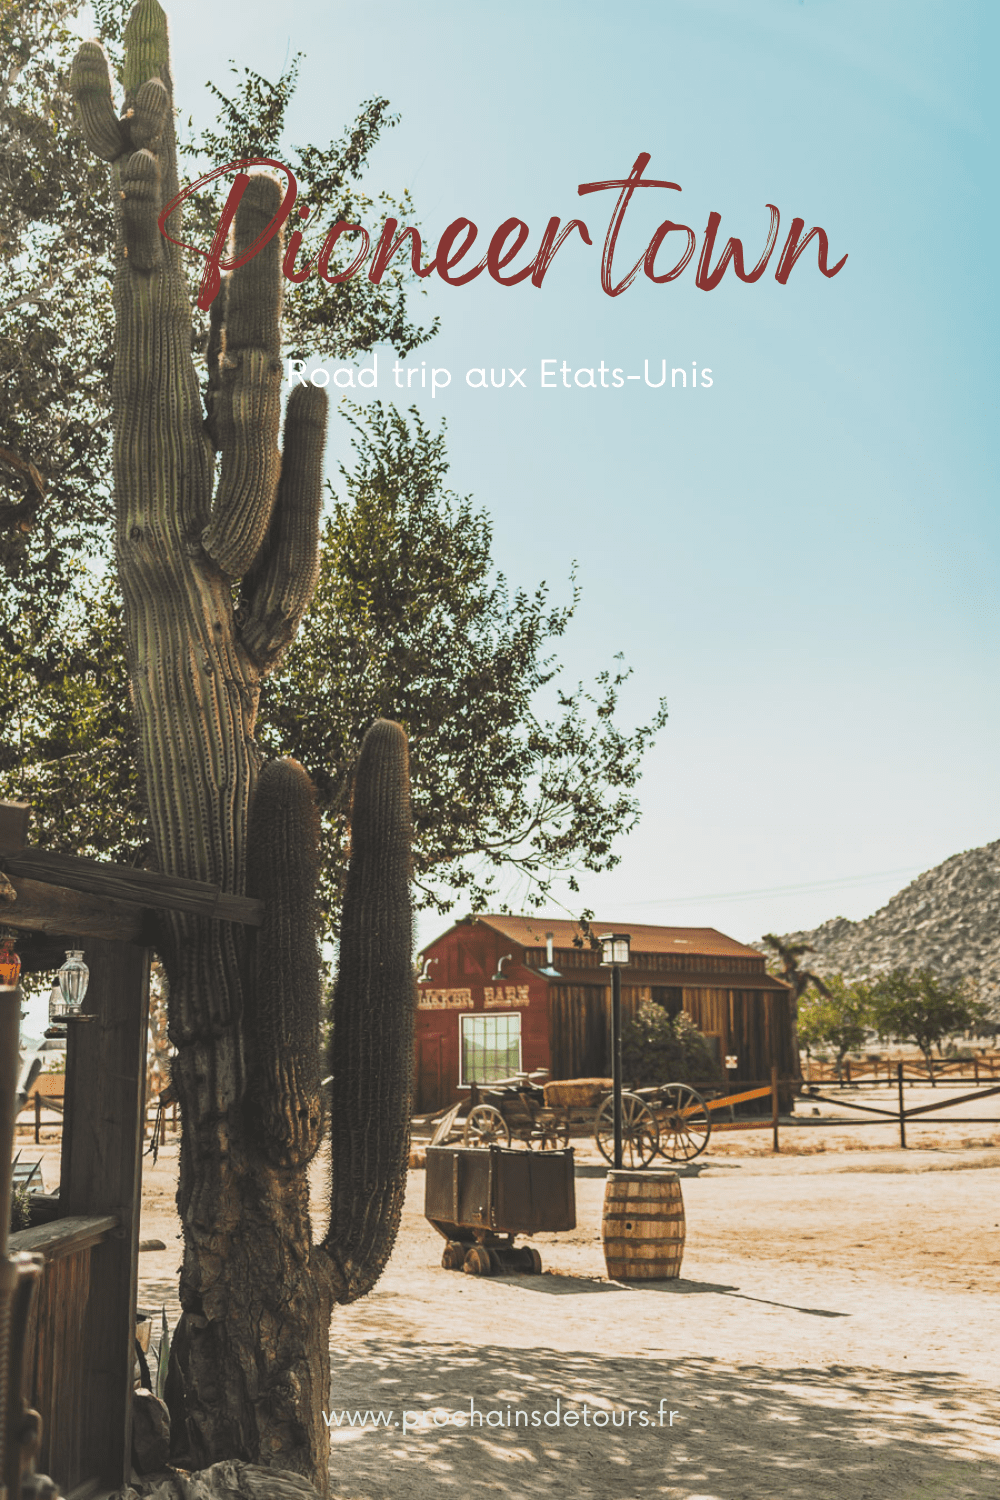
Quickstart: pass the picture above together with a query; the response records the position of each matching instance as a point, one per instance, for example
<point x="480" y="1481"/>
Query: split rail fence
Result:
<point x="884" y="1070"/>
<point x="899" y="1116"/>
<point x="155" y="1119"/>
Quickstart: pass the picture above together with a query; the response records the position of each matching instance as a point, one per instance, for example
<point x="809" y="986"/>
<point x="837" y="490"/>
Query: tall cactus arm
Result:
<point x="282" y="1105"/>
<point x="90" y="83"/>
<point x="371" y="1053"/>
<point x="276" y="593"/>
<point x="140" y="179"/>
<point x="246" y="406"/>
<point x="252" y="527"/>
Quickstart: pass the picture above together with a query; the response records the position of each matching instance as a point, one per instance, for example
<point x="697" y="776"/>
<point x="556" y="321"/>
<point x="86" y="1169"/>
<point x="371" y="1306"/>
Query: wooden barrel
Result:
<point x="643" y="1226"/>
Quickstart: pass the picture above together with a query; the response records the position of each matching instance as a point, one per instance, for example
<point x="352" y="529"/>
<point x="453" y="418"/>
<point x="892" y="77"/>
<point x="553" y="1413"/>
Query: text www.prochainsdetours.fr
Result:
<point x="436" y="1418"/>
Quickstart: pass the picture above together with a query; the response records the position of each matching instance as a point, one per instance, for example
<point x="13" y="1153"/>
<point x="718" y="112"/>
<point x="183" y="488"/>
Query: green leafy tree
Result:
<point x="660" y="1048"/>
<point x="839" y="1018"/>
<point x="69" y="735"/>
<point x="919" y="1006"/>
<point x="784" y="962"/>
<point x="409" y="620"/>
<point x="55" y="320"/>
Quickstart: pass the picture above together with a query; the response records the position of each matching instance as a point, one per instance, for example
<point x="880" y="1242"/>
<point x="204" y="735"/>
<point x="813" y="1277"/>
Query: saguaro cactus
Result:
<point x="371" y="1050"/>
<point x="284" y="1113"/>
<point x="250" y="1365"/>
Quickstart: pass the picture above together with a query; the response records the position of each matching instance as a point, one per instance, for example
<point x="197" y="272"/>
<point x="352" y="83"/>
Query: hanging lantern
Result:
<point x="10" y="963"/>
<point x="73" y="979"/>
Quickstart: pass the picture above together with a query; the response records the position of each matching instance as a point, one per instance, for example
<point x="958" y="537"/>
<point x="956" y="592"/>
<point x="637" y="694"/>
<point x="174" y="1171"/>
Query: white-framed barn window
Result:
<point x="491" y="1047"/>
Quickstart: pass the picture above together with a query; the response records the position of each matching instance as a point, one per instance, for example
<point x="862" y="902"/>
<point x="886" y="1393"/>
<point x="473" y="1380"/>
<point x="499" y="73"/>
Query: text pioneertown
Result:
<point x="506" y="244"/>
<point x="552" y="375"/>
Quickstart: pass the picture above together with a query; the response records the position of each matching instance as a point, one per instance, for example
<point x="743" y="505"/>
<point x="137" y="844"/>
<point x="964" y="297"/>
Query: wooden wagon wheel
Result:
<point x="685" y="1123"/>
<point x="485" y="1126"/>
<point x="640" y="1136"/>
<point x="551" y="1133"/>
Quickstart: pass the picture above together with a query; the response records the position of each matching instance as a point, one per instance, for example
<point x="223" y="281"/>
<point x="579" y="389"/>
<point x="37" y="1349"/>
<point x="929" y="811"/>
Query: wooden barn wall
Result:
<point x="710" y="1011"/>
<point x="580" y="1028"/>
<point x="461" y="983"/>
<point x="752" y="1025"/>
<point x="579" y="1021"/>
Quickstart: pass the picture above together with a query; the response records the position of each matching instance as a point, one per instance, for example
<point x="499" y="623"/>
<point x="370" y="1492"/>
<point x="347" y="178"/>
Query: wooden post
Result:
<point x="902" y="1116"/>
<point x="101" y="1173"/>
<point x="775" y="1146"/>
<point x="38" y="1117"/>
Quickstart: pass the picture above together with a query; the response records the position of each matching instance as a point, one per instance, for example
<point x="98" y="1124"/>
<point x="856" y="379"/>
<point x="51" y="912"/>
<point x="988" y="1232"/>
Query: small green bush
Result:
<point x="660" y="1048"/>
<point x="20" y="1208"/>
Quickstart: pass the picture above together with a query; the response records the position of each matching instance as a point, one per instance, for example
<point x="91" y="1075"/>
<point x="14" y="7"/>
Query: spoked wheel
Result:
<point x="640" y="1136"/>
<point x="485" y="1126"/>
<point x="685" y="1123"/>
<point x="550" y="1135"/>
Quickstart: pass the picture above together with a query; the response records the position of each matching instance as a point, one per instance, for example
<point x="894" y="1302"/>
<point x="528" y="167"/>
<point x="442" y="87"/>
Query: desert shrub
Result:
<point x="660" y="1048"/>
<point x="20" y="1208"/>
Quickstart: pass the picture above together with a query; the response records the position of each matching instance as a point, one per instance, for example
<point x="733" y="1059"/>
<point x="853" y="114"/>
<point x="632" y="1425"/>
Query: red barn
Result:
<point x="501" y="995"/>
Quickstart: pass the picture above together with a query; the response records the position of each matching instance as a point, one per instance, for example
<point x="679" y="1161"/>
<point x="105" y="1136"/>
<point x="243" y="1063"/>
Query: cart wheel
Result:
<point x="685" y="1123"/>
<point x="533" y="1261"/>
<point x="454" y="1255"/>
<point x="551" y="1137"/>
<point x="477" y="1262"/>
<point x="496" y="1264"/>
<point x="485" y="1126"/>
<point x="640" y="1136"/>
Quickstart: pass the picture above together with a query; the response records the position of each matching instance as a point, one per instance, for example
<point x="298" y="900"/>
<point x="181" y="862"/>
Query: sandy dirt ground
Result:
<point x="834" y="1335"/>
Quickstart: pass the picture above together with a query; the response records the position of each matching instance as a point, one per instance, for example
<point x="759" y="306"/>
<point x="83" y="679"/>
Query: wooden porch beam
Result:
<point x="95" y="877"/>
<point x="37" y="907"/>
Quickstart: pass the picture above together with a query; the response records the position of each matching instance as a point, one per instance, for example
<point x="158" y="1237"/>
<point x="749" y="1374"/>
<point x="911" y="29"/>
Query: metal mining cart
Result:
<point x="480" y="1199"/>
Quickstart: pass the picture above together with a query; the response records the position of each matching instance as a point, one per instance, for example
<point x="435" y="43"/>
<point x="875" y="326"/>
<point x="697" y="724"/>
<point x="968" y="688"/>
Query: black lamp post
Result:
<point x="615" y="955"/>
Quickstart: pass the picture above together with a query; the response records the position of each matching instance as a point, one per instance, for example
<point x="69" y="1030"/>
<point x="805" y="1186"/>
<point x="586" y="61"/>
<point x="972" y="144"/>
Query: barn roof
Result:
<point x="530" y="932"/>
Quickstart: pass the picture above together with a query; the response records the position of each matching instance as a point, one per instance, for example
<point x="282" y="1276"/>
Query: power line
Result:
<point x="845" y="882"/>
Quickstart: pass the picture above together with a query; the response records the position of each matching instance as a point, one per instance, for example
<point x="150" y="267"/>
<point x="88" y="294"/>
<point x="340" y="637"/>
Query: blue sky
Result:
<point x="801" y="558"/>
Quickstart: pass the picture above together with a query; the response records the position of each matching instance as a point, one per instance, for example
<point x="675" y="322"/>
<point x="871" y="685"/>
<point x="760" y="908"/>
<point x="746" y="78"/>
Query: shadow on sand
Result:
<point x="739" y="1432"/>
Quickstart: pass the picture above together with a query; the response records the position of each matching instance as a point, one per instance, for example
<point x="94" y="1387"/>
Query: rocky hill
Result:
<point x="948" y="920"/>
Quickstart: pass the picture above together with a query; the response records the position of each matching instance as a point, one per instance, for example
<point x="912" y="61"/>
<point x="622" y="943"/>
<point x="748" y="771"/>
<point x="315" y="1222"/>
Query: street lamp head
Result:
<point x="614" y="949"/>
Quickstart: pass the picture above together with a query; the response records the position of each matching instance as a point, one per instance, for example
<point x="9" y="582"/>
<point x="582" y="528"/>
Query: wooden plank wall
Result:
<point x="56" y="1339"/>
<point x="580" y="1028"/>
<point x="753" y="1024"/>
